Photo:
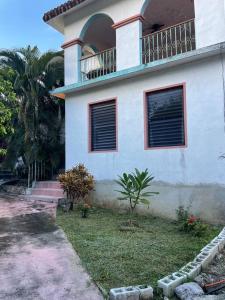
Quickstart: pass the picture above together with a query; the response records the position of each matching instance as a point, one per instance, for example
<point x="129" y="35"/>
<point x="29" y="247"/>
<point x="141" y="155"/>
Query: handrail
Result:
<point x="170" y="41"/>
<point x="99" y="64"/>
<point x="168" y="27"/>
<point x="98" y="53"/>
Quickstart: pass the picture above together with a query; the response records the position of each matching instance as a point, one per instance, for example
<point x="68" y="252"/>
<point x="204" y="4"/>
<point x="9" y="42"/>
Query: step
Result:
<point x="49" y="199"/>
<point x="48" y="192"/>
<point x="48" y="185"/>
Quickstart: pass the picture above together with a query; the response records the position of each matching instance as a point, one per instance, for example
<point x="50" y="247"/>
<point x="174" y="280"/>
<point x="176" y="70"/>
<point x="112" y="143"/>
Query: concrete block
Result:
<point x="169" y="283"/>
<point x="212" y="249"/>
<point x="191" y="270"/>
<point x="125" y="293"/>
<point x="146" y="292"/>
<point x="204" y="259"/>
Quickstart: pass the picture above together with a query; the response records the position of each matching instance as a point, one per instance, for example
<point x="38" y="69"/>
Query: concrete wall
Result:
<point x="72" y="64"/>
<point x="118" y="11"/>
<point x="129" y="56"/>
<point x="197" y="169"/>
<point x="209" y="22"/>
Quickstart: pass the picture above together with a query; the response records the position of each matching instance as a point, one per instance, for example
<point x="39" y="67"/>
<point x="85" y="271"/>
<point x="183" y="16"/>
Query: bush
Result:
<point x="77" y="183"/>
<point x="190" y="223"/>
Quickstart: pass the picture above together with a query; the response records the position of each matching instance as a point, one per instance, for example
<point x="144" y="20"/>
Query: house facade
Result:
<point x="145" y="88"/>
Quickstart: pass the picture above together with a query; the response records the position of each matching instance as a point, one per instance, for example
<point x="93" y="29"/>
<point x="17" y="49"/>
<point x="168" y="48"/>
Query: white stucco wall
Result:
<point x="72" y="64"/>
<point x="128" y="56"/>
<point x="199" y="163"/>
<point x="209" y="22"/>
<point x="117" y="10"/>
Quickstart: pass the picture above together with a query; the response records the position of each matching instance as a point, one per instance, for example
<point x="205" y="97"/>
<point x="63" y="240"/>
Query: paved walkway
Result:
<point x="36" y="260"/>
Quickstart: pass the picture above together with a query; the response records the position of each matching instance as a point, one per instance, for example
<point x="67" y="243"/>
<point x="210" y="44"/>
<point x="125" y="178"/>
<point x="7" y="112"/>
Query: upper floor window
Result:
<point x="165" y="113"/>
<point x="103" y="131"/>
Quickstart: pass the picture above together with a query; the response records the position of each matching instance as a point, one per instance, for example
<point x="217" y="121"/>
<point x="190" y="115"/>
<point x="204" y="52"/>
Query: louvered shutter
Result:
<point x="103" y="126"/>
<point x="165" y="110"/>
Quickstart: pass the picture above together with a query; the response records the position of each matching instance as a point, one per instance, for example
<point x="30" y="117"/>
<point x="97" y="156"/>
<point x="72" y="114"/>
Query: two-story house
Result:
<point x="145" y="88"/>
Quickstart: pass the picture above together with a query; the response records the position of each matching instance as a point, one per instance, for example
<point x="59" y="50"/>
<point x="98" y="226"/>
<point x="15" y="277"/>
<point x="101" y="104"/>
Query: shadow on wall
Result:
<point x="206" y="201"/>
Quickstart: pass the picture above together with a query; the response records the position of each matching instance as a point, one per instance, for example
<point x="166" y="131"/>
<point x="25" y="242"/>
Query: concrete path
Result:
<point x="36" y="260"/>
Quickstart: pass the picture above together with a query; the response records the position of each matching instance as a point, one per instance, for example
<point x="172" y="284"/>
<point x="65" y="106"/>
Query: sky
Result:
<point x="21" y="24"/>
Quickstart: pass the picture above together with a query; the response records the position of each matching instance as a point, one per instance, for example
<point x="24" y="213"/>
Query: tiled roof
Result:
<point x="61" y="9"/>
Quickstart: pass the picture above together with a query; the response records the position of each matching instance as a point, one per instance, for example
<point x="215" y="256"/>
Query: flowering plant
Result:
<point x="190" y="223"/>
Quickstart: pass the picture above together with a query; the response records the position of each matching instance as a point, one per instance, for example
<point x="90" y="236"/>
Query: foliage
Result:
<point x="85" y="210"/>
<point x="8" y="108"/>
<point x="133" y="186"/>
<point x="115" y="258"/>
<point x="190" y="223"/>
<point x="40" y="118"/>
<point x="77" y="183"/>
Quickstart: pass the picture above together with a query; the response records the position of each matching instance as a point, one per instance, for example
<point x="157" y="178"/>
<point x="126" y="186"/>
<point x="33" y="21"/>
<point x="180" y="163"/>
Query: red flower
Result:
<point x="192" y="219"/>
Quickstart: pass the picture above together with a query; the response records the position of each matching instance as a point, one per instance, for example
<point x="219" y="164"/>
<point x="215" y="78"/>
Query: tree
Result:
<point x="8" y="106"/>
<point x="40" y="115"/>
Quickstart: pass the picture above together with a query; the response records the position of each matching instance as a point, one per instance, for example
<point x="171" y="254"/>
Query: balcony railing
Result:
<point x="97" y="65"/>
<point x="168" y="42"/>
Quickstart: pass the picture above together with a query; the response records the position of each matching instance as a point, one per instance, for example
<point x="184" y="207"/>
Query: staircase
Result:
<point x="46" y="191"/>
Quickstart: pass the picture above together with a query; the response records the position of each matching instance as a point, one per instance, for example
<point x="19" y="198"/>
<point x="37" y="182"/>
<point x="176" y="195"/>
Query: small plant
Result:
<point x="85" y="210"/>
<point x="190" y="223"/>
<point x="77" y="183"/>
<point x="133" y="186"/>
<point x="182" y="214"/>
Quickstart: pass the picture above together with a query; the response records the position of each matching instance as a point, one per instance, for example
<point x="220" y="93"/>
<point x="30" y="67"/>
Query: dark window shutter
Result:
<point x="103" y="126"/>
<point x="165" y="112"/>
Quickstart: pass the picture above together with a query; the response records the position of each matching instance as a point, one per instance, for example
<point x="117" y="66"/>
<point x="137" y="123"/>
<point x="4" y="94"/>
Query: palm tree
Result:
<point x="40" y="114"/>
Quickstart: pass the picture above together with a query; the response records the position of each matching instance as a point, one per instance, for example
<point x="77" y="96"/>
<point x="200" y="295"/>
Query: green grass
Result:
<point x="116" y="258"/>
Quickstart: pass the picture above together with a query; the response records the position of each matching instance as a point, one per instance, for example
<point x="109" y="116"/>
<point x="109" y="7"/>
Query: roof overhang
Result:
<point x="55" y="17"/>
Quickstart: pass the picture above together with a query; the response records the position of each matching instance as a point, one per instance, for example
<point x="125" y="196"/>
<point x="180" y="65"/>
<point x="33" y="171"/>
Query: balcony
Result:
<point x="171" y="41"/>
<point x="99" y="64"/>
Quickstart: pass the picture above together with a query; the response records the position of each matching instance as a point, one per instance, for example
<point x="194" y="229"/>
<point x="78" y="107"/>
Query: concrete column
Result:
<point x="128" y="42"/>
<point x="209" y="22"/>
<point x="72" y="55"/>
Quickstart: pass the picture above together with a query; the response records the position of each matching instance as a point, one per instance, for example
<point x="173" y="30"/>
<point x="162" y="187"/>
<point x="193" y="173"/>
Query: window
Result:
<point x="103" y="126"/>
<point x="165" y="118"/>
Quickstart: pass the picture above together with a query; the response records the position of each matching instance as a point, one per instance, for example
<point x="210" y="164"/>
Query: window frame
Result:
<point x="90" y="124"/>
<point x="146" y="133"/>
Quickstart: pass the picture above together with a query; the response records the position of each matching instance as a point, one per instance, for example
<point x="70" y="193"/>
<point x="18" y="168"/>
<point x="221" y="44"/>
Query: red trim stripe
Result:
<point x="128" y="21"/>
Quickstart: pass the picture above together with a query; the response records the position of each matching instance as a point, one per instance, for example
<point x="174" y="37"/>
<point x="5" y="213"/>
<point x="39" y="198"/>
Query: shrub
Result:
<point x="133" y="186"/>
<point x="190" y="223"/>
<point x="77" y="183"/>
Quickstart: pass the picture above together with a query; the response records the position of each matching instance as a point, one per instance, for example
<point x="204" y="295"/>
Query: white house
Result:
<point x="145" y="88"/>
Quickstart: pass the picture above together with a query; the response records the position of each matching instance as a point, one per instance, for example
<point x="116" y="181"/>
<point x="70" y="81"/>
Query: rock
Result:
<point x="213" y="297"/>
<point x="188" y="291"/>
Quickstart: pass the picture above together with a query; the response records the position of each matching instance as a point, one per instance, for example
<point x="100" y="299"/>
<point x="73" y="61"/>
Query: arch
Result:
<point x="90" y="21"/>
<point x="144" y="6"/>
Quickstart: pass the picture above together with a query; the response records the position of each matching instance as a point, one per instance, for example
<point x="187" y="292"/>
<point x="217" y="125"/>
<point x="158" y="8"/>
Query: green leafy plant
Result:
<point x="134" y="187"/>
<point x="189" y="223"/>
<point x="77" y="183"/>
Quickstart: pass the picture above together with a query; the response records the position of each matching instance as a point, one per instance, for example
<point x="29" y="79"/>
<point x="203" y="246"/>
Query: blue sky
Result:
<point x="21" y="24"/>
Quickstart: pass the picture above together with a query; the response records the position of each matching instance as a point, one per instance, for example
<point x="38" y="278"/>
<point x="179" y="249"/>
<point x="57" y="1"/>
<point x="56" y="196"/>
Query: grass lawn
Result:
<point x="117" y="258"/>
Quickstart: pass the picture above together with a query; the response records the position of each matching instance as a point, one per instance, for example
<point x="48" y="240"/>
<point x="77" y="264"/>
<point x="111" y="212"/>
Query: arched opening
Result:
<point x="99" y="47"/>
<point x="168" y="28"/>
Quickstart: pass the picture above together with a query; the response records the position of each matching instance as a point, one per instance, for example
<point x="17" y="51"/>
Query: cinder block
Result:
<point x="204" y="259"/>
<point x="125" y="293"/>
<point x="146" y="292"/>
<point x="169" y="283"/>
<point x="191" y="270"/>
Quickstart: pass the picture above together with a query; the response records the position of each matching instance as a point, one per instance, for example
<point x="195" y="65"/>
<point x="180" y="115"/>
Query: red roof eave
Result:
<point x="61" y="9"/>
